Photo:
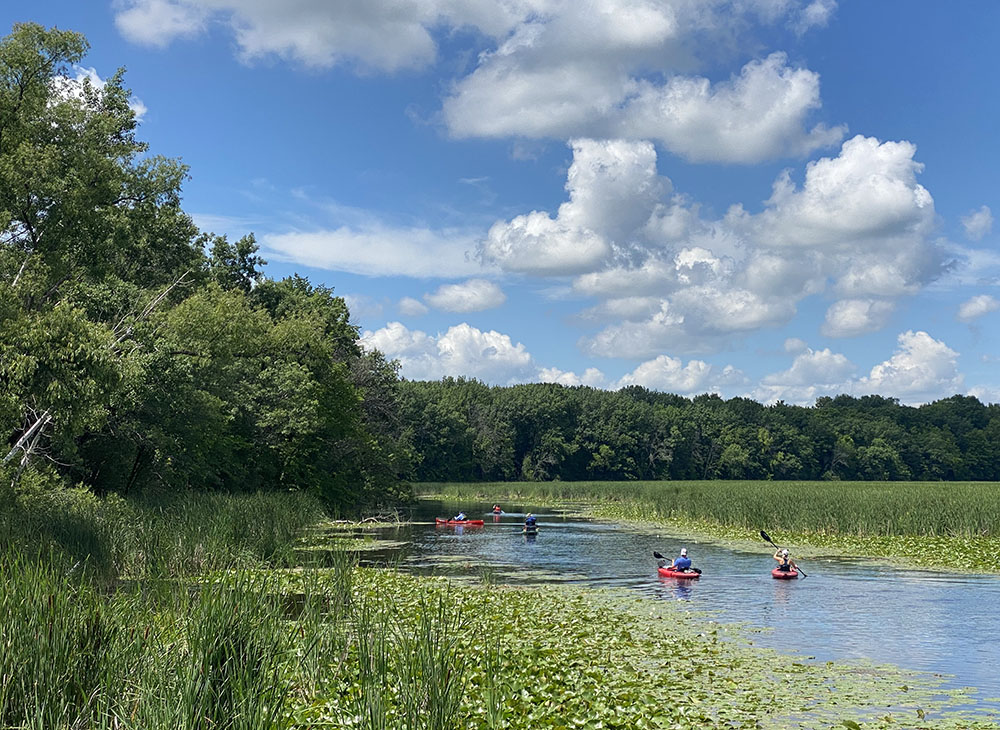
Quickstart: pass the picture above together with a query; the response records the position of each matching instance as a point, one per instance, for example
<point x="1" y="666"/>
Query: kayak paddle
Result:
<point x="764" y="535"/>
<point x="664" y="557"/>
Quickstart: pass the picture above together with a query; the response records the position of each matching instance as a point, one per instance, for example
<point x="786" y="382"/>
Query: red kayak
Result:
<point x="784" y="574"/>
<point x="668" y="573"/>
<point x="474" y="523"/>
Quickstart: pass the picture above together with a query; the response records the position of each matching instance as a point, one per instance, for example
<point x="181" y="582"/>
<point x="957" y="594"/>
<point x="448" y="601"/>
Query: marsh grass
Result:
<point x="156" y="537"/>
<point x="927" y="509"/>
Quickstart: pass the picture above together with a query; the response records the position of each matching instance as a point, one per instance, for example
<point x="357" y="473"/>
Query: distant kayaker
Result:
<point x="496" y="509"/>
<point x="530" y="521"/>
<point x="460" y="517"/>
<point x="785" y="563"/>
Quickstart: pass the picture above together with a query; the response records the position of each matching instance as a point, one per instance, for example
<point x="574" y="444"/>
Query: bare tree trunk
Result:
<point x="37" y="426"/>
<point x="27" y="455"/>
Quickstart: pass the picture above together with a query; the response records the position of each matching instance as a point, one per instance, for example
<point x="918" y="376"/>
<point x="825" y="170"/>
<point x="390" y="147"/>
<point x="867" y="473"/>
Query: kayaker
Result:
<point x="785" y="563"/>
<point x="682" y="562"/>
<point x="460" y="517"/>
<point x="530" y="521"/>
<point x="496" y="509"/>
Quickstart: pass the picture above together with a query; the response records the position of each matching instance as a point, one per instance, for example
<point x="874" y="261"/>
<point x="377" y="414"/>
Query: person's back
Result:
<point x="681" y="563"/>
<point x="530" y="520"/>
<point x="785" y="563"/>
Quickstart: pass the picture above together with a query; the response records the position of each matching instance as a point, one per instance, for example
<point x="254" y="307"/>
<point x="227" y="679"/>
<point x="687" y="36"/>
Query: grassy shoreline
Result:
<point x="936" y="526"/>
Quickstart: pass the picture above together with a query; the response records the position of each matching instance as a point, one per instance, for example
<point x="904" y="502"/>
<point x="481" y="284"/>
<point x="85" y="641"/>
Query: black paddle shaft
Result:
<point x="764" y="535"/>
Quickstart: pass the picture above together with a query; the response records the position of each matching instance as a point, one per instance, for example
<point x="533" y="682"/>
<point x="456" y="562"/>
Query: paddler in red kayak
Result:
<point x="680" y="564"/>
<point x="460" y="517"/>
<point x="785" y="563"/>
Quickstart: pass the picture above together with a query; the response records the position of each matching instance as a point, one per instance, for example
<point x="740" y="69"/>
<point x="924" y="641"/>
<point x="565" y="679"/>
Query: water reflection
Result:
<point x="843" y="610"/>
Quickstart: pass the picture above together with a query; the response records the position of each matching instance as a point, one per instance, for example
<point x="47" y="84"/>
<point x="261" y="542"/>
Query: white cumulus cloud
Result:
<point x="473" y="295"/>
<point x="461" y="351"/>
<point x="922" y="369"/>
<point x="670" y="374"/>
<point x="853" y="317"/>
<point x="591" y="376"/>
<point x="859" y="227"/>
<point x="977" y="306"/>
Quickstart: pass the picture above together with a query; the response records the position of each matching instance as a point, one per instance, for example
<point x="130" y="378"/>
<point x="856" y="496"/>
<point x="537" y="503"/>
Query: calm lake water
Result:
<point x="843" y="610"/>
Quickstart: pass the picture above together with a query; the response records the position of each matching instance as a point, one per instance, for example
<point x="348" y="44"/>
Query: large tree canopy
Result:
<point x="136" y="352"/>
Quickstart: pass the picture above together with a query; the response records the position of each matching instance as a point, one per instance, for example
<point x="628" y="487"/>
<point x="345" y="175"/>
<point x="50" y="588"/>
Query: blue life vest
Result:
<point x="530" y="521"/>
<point x="682" y="563"/>
<point x="460" y="517"/>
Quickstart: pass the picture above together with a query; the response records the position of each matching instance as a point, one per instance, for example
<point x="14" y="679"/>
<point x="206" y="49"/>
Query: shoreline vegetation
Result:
<point x="932" y="525"/>
<point x="243" y="624"/>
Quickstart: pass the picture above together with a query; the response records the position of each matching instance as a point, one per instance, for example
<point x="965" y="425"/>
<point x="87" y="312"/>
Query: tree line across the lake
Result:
<point x="138" y="353"/>
<point x="463" y="430"/>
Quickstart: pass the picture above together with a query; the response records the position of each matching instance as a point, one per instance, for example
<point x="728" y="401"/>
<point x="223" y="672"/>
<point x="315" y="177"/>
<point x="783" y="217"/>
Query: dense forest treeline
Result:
<point x="463" y="430"/>
<point x="138" y="352"/>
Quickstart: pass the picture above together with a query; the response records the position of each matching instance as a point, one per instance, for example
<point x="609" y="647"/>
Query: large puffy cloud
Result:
<point x="378" y="250"/>
<point x="462" y="350"/>
<point x="859" y="228"/>
<point x="864" y="212"/>
<point x="473" y="295"/>
<point x="758" y="115"/>
<point x="612" y="186"/>
<point x="922" y="369"/>
<point x="610" y="68"/>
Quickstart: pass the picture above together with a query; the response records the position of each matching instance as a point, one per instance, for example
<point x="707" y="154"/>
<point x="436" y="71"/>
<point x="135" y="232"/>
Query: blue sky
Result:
<point x="781" y="199"/>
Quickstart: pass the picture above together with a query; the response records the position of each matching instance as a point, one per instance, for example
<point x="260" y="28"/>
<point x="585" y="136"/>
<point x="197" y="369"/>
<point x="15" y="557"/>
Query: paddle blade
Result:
<point x="697" y="570"/>
<point x="764" y="535"/>
<point x="658" y="556"/>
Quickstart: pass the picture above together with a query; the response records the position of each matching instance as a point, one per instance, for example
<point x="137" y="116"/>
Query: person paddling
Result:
<point x="460" y="517"/>
<point x="496" y="509"/>
<point x="530" y="523"/>
<point x="681" y="564"/>
<point x="785" y="562"/>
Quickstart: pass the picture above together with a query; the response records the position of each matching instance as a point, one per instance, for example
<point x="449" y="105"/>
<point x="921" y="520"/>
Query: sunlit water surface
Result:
<point x="932" y="622"/>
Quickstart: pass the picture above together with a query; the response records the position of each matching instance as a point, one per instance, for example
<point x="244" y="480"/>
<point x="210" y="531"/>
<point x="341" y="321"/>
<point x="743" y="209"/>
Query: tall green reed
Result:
<point x="952" y="509"/>
<point x="431" y="666"/>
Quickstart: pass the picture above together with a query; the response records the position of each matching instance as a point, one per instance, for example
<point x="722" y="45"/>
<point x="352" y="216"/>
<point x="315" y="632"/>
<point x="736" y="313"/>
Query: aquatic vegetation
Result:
<point x="568" y="657"/>
<point x="931" y="524"/>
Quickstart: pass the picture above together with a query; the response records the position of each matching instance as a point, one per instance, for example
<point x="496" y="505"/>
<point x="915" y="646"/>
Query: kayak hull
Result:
<point x="784" y="574"/>
<point x="667" y="573"/>
<point x="473" y="523"/>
